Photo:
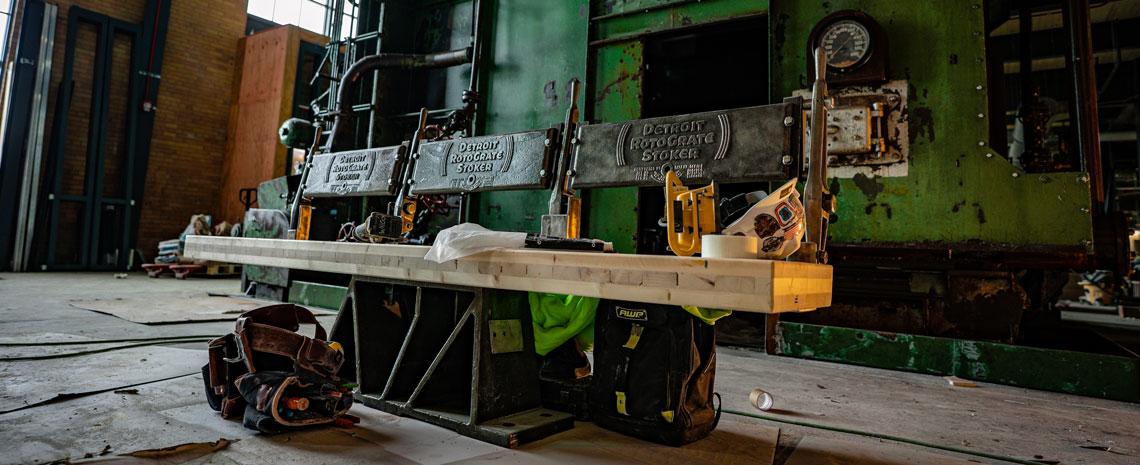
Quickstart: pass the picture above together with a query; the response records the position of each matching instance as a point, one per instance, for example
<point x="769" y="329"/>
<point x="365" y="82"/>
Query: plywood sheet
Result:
<point x="33" y="382"/>
<point x="263" y="99"/>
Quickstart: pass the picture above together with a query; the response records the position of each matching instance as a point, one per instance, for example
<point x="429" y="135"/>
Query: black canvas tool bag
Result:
<point x="653" y="373"/>
<point x="273" y="377"/>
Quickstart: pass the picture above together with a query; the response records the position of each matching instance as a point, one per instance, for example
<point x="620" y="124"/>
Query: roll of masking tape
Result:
<point x="721" y="246"/>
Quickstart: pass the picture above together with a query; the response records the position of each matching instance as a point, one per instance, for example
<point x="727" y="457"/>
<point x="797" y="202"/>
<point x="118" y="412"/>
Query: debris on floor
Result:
<point x="172" y="455"/>
<point x="959" y="382"/>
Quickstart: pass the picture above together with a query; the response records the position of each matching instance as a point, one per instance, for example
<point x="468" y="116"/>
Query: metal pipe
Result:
<point x="1086" y="123"/>
<point x="814" y="189"/>
<point x="471" y="97"/>
<point x="353" y="74"/>
<point x="476" y="45"/>
<point x="346" y="86"/>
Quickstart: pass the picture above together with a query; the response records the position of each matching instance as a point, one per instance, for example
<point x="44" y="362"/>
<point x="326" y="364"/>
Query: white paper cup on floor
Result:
<point x="721" y="246"/>
<point x="761" y="399"/>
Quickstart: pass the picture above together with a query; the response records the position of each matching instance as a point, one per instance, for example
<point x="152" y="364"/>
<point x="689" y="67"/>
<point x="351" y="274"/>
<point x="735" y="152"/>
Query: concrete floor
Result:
<point x="992" y="419"/>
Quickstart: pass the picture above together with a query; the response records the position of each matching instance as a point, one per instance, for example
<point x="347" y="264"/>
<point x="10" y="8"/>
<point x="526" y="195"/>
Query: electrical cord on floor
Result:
<point x="887" y="437"/>
<point x="75" y="395"/>
<point x="105" y="341"/>
<point x="96" y="351"/>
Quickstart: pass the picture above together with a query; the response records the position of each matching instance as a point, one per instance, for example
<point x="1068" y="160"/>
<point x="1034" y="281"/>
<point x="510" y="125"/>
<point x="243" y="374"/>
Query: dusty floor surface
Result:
<point x="166" y="407"/>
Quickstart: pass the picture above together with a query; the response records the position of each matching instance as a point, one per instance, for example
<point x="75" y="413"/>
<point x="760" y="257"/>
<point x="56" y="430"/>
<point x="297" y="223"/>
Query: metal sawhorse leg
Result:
<point x="457" y="357"/>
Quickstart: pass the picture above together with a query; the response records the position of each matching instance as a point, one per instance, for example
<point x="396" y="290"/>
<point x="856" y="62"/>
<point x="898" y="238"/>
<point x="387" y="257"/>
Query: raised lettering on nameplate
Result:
<point x="486" y="163"/>
<point x="356" y="173"/>
<point x="740" y="145"/>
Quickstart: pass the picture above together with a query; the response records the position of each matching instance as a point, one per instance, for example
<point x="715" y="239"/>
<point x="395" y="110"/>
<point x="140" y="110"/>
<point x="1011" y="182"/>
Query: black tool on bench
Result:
<point x="378" y="227"/>
<point x="536" y="241"/>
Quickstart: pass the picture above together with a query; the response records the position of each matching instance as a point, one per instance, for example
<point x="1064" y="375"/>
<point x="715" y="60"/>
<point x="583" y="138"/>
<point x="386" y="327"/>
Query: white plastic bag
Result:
<point x="778" y="221"/>
<point x="466" y="239"/>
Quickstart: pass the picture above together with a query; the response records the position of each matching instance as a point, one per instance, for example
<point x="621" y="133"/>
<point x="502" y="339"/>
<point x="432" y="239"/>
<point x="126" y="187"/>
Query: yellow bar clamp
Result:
<point x="689" y="213"/>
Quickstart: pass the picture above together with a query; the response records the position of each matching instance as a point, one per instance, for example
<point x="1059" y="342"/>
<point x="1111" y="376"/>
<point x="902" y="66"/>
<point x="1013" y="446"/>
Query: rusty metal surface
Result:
<point x="487" y="163"/>
<point x="740" y="145"/>
<point x="356" y="172"/>
<point x="867" y="130"/>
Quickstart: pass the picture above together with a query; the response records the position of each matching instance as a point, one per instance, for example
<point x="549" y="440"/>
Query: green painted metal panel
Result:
<point x="683" y="14"/>
<point x="611" y="214"/>
<point x="1082" y="373"/>
<point x="317" y="295"/>
<point x="620" y="7"/>
<point x="618" y="73"/>
<point x="266" y="224"/>
<point x="958" y="188"/>
<point x="512" y="210"/>
<point x="536" y="49"/>
<point x="273" y="194"/>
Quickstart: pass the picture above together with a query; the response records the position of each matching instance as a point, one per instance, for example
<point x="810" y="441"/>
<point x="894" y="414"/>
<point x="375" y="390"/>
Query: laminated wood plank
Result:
<point x="745" y="285"/>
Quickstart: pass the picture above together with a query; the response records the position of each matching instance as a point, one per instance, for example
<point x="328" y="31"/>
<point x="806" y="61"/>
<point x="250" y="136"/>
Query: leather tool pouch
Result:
<point x="274" y="377"/>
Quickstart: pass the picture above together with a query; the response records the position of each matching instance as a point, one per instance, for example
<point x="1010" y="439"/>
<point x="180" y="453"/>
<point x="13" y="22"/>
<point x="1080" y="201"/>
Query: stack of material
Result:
<point x="169" y="251"/>
<point x="171" y="259"/>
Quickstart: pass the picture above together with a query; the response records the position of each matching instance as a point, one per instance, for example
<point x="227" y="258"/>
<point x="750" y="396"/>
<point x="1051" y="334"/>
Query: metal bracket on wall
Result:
<point x="867" y="130"/>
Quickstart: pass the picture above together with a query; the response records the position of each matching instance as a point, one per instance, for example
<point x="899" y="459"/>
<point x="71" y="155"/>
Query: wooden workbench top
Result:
<point x="763" y="286"/>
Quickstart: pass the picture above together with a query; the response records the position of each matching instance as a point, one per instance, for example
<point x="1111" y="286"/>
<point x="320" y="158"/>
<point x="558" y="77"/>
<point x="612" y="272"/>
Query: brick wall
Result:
<point x="189" y="139"/>
<point x="188" y="142"/>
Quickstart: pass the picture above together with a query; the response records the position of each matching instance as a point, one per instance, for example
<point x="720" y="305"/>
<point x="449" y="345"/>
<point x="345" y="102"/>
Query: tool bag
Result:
<point x="653" y="373"/>
<point x="273" y="377"/>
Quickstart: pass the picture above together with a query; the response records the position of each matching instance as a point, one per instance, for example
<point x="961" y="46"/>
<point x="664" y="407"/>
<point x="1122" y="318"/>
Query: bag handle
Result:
<point x="285" y="316"/>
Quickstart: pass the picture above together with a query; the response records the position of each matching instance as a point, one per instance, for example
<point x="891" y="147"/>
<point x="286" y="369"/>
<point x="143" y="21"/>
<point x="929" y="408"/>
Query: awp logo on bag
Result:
<point x="632" y="314"/>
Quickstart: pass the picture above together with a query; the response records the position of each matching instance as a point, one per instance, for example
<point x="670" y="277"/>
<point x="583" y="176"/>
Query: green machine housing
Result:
<point x="946" y="238"/>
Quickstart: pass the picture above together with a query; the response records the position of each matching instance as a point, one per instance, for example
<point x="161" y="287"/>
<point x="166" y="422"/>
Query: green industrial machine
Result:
<point x="970" y="179"/>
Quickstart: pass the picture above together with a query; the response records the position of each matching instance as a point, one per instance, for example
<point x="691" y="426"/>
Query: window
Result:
<point x="5" y="22"/>
<point x="308" y="14"/>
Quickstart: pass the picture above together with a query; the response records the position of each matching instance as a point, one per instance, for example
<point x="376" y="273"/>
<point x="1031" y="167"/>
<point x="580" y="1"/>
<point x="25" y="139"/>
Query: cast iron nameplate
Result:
<point x="486" y="163"/>
<point x="740" y="145"/>
<point x="356" y="173"/>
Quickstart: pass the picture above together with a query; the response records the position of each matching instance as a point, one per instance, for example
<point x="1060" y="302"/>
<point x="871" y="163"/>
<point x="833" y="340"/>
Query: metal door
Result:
<point x="93" y="154"/>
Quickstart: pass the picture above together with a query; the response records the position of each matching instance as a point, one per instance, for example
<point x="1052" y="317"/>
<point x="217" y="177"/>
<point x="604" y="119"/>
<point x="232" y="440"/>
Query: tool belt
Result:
<point x="274" y="377"/>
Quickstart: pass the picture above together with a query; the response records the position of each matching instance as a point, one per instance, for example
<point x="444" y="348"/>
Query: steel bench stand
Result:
<point x="416" y="365"/>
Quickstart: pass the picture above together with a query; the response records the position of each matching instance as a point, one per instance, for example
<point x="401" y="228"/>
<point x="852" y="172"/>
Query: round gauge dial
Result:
<point x="847" y="43"/>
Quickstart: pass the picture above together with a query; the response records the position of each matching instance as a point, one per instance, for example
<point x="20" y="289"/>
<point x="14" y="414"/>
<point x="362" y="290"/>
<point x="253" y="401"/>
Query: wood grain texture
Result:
<point x="763" y="286"/>
<point x="263" y="99"/>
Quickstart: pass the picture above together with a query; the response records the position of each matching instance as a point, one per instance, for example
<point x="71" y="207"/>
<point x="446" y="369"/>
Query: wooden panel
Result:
<point x="263" y="99"/>
<point x="746" y="285"/>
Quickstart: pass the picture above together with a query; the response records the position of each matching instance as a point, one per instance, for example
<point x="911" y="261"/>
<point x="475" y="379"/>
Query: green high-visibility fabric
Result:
<point x="558" y="318"/>
<point x="707" y="315"/>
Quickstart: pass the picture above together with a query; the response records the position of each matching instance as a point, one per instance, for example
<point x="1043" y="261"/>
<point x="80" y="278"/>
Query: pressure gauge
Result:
<point x="846" y="43"/>
<point x="854" y="45"/>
